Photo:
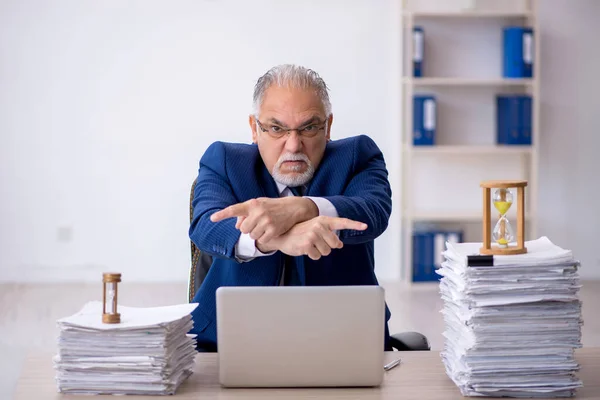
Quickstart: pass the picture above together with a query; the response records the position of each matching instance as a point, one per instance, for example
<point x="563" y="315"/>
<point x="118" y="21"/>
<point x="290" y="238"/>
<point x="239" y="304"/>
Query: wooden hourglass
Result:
<point x="109" y="298"/>
<point x="502" y="233"/>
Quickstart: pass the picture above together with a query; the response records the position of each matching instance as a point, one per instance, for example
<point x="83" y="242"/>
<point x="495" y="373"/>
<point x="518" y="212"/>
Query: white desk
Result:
<point x="420" y="376"/>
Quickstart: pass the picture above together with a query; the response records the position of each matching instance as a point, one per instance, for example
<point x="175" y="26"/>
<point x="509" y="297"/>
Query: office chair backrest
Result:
<point x="201" y="262"/>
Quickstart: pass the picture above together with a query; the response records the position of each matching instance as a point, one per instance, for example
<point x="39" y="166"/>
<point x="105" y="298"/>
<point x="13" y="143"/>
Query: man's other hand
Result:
<point x="314" y="238"/>
<point x="265" y="218"/>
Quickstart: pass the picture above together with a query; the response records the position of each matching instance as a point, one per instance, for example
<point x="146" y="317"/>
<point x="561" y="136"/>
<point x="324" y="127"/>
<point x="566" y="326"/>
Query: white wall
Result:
<point x="570" y="145"/>
<point x="107" y="106"/>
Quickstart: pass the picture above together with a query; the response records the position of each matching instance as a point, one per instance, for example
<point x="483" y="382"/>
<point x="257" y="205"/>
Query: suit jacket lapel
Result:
<point x="319" y="183"/>
<point x="267" y="183"/>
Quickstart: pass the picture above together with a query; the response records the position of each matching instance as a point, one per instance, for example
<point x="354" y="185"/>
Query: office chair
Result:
<point x="201" y="262"/>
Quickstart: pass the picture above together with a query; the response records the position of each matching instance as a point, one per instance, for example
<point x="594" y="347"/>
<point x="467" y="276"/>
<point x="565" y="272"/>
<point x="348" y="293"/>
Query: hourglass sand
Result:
<point x="503" y="233"/>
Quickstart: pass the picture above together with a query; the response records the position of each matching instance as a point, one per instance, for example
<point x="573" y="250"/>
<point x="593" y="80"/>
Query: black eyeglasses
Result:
<point x="277" y="131"/>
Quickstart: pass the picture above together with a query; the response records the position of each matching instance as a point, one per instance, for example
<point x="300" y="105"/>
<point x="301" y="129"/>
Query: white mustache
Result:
<point x="288" y="180"/>
<point x="293" y="157"/>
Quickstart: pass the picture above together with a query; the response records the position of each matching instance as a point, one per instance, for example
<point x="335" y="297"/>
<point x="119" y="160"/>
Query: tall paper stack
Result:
<point x="511" y="329"/>
<point x="149" y="352"/>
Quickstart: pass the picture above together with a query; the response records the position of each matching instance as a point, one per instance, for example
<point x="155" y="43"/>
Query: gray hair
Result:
<point x="295" y="76"/>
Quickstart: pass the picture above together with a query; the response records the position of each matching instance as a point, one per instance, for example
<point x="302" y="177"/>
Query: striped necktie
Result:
<point x="290" y="272"/>
<point x="297" y="190"/>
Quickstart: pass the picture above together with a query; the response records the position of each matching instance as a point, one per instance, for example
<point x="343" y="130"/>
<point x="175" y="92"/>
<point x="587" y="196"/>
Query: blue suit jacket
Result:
<point x="352" y="176"/>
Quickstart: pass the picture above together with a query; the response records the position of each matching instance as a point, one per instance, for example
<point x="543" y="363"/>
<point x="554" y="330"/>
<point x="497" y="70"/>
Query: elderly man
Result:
<point x="292" y="208"/>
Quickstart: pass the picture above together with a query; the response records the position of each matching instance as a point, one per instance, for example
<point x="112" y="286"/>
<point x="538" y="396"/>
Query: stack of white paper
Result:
<point x="149" y="352"/>
<point x="511" y="329"/>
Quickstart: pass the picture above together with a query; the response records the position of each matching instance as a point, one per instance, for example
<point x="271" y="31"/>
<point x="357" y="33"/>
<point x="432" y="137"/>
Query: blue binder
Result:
<point x="424" y="120"/>
<point x="507" y="120"/>
<point x="513" y="120"/>
<point x="517" y="58"/>
<point x="427" y="257"/>
<point x="418" y="50"/>
<point x="525" y="119"/>
<point x="417" y="257"/>
<point x="439" y="245"/>
<point x="454" y="236"/>
<point x="428" y="265"/>
<point x="423" y="267"/>
<point x="528" y="52"/>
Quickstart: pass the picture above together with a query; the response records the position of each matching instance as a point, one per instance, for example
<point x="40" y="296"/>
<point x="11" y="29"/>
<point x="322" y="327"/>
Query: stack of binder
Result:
<point x="513" y="119"/>
<point x="512" y="323"/>
<point x="427" y="249"/>
<point x="148" y="353"/>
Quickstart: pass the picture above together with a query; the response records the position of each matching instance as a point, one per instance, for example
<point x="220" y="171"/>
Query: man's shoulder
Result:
<point x="353" y="141"/>
<point x="354" y="144"/>
<point x="233" y="147"/>
<point x="229" y="149"/>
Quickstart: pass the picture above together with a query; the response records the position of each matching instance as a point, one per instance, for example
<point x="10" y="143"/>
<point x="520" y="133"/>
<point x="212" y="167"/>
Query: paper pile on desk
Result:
<point x="149" y="352"/>
<point x="511" y="329"/>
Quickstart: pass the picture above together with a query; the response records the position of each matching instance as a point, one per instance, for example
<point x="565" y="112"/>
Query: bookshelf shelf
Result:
<point x="468" y="14"/>
<point x="459" y="88"/>
<point x="443" y="81"/>
<point x="448" y="216"/>
<point x="445" y="216"/>
<point x="470" y="150"/>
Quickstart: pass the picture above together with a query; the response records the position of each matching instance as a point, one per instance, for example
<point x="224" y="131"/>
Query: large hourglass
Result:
<point x="503" y="234"/>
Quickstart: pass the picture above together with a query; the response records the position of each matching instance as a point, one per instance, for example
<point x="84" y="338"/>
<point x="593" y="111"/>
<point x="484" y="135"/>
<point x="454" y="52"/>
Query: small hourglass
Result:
<point x="110" y="293"/>
<point x="502" y="233"/>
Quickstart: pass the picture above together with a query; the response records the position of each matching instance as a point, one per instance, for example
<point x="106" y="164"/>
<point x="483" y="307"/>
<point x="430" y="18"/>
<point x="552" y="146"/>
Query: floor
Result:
<point x="28" y="313"/>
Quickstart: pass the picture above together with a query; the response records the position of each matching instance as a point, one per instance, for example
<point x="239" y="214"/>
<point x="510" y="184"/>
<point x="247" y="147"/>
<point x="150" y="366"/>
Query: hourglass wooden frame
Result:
<point x="487" y="247"/>
<point x="112" y="317"/>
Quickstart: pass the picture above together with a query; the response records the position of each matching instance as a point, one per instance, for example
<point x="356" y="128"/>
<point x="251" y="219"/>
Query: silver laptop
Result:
<point x="301" y="336"/>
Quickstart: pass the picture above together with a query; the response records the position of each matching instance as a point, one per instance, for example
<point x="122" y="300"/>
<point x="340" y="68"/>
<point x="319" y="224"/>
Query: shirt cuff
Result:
<point x="326" y="208"/>
<point x="245" y="249"/>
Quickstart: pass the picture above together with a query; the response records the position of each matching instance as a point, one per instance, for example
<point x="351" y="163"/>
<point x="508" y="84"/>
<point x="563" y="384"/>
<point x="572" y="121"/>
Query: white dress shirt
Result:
<point x="245" y="248"/>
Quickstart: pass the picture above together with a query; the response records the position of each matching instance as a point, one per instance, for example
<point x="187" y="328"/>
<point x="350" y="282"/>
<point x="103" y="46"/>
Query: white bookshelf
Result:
<point x="440" y="183"/>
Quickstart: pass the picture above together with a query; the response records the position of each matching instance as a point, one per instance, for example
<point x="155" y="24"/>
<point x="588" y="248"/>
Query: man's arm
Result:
<point x="367" y="197"/>
<point x="213" y="193"/>
<point x="314" y="238"/>
<point x="247" y="249"/>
